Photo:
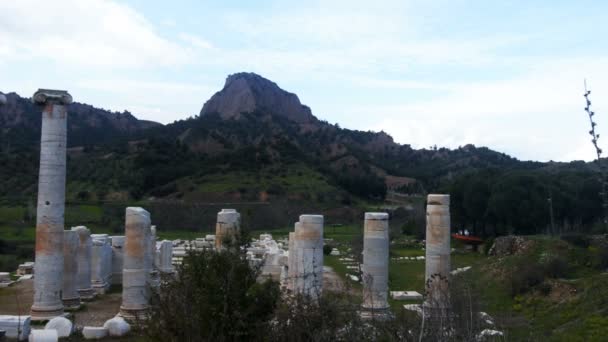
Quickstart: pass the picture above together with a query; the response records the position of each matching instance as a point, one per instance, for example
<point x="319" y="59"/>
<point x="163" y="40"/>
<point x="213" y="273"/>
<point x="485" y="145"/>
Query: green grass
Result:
<point x="11" y="214"/>
<point x="294" y="179"/>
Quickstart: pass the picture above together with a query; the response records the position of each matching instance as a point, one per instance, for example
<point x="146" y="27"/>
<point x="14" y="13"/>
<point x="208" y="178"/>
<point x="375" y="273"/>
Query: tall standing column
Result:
<point x="227" y="228"/>
<point x="70" y="296"/>
<point x="309" y="255"/>
<point x="437" y="251"/>
<point x="135" y="290"/>
<point x="85" y="245"/>
<point x="48" y="268"/>
<point x="375" y="263"/>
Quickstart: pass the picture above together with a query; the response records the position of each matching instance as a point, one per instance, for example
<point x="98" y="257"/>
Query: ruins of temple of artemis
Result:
<point x="437" y="252"/>
<point x="48" y="282"/>
<point x="375" y="264"/>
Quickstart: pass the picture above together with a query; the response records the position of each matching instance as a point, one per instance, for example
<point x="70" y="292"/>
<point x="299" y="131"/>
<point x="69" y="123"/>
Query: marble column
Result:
<point x="227" y="228"/>
<point x="375" y="263"/>
<point x="101" y="263"/>
<point x="309" y="255"/>
<point x="165" y="257"/>
<point x="48" y="269"/>
<point x="437" y="251"/>
<point x="70" y="296"/>
<point x="85" y="244"/>
<point x="136" y="272"/>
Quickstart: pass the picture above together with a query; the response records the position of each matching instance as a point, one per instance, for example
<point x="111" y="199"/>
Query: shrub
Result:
<point x="576" y="239"/>
<point x="216" y="298"/>
<point x="327" y="249"/>
<point x="526" y="275"/>
<point x="601" y="262"/>
<point x="556" y="267"/>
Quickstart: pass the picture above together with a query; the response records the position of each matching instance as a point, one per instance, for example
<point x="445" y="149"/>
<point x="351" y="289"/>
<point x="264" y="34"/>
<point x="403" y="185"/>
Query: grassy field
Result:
<point x="570" y="307"/>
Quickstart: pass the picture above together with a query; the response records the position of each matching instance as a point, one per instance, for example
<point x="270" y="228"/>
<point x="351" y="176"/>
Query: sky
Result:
<point x="503" y="74"/>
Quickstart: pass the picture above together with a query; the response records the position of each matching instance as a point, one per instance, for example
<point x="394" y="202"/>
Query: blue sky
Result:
<point x="505" y="75"/>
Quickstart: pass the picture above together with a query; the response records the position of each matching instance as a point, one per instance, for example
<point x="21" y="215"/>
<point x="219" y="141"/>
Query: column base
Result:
<point x="71" y="304"/>
<point x="39" y="314"/>
<point x="101" y="288"/>
<point x="86" y="294"/>
<point x="133" y="316"/>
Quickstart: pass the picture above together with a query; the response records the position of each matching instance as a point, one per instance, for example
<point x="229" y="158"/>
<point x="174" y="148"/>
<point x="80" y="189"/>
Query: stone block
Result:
<point x="406" y="295"/>
<point x="17" y="327"/>
<point x="117" y="327"/>
<point x="45" y="335"/>
<point x="94" y="333"/>
<point x="62" y="325"/>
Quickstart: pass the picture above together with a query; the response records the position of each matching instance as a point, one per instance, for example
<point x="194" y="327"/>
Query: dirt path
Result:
<point x="17" y="300"/>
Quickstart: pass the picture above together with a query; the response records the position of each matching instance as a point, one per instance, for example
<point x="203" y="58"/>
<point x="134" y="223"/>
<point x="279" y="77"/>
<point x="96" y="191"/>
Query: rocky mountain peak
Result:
<point x="248" y="92"/>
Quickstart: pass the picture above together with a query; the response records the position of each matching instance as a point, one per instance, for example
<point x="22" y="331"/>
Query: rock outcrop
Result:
<point x="249" y="92"/>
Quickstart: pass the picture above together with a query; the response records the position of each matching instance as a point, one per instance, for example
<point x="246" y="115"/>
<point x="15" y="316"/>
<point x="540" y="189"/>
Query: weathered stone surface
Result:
<point x="291" y="265"/>
<point x="117" y="327"/>
<point x="27" y="268"/>
<point x="70" y="295"/>
<point x="43" y="336"/>
<point x="406" y="295"/>
<point x="94" y="333"/>
<point x="164" y="256"/>
<point x="437" y="251"/>
<point x="136" y="272"/>
<point x="375" y="262"/>
<point x="17" y="327"/>
<point x="227" y="227"/>
<point x="48" y="282"/>
<point x="308" y="256"/>
<point x="118" y="243"/>
<point x="62" y="325"/>
<point x="85" y="244"/>
<point x="101" y="263"/>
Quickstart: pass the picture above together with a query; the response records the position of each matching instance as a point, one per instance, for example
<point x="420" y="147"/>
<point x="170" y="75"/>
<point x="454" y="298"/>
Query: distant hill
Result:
<point x="20" y="122"/>
<point x="254" y="142"/>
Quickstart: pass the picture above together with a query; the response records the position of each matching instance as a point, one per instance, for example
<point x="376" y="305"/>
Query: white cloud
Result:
<point x="94" y="33"/>
<point x="538" y="115"/>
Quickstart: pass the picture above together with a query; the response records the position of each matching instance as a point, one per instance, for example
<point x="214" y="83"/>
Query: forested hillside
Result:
<point x="261" y="145"/>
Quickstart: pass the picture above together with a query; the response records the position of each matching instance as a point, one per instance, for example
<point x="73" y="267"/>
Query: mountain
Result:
<point x="249" y="92"/>
<point x="20" y="122"/>
<point x="255" y="143"/>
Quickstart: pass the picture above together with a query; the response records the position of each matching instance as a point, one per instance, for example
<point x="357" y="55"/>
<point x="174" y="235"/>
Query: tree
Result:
<point x="216" y="297"/>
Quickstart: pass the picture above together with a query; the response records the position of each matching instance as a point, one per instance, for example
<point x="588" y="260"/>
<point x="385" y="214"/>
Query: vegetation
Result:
<point x="216" y="297"/>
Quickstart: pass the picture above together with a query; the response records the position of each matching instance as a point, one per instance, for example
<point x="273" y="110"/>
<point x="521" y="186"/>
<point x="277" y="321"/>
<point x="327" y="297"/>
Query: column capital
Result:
<point x="44" y="96"/>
